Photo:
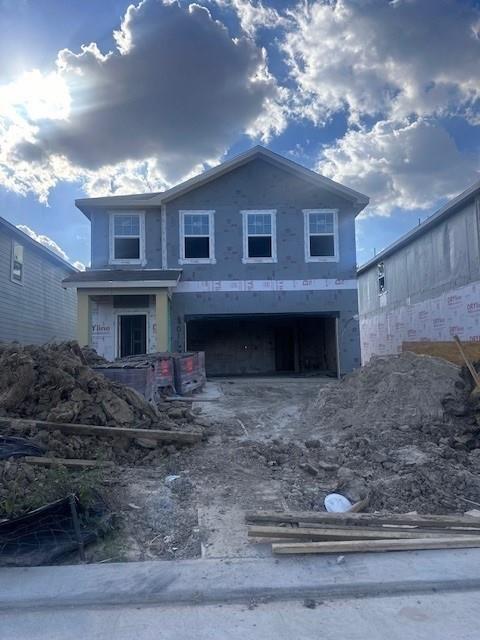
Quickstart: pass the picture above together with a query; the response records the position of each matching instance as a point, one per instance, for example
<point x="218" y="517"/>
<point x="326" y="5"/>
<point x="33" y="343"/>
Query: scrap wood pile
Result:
<point x="403" y="430"/>
<point x="320" y="533"/>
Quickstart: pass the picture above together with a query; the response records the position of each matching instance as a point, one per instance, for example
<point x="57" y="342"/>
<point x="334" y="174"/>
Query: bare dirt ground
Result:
<point x="193" y="502"/>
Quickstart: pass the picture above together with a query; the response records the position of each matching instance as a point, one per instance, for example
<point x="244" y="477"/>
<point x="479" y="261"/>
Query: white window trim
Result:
<point x="20" y="282"/>
<point x="211" y="236"/>
<point x="112" y="260"/>
<point x="273" y="215"/>
<point x="306" y="223"/>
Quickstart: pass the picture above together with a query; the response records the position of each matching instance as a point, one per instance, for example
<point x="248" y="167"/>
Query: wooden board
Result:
<point x="359" y="546"/>
<point x="108" y="432"/>
<point x="66" y="462"/>
<point x="350" y="533"/>
<point x="360" y="519"/>
<point x="446" y="350"/>
<point x="467" y="361"/>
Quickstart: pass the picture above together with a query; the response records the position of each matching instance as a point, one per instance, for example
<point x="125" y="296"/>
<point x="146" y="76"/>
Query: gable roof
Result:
<point x="25" y="239"/>
<point x="148" y="200"/>
<point x="444" y="212"/>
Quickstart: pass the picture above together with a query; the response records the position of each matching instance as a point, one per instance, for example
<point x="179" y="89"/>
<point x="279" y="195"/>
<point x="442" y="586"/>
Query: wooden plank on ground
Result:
<point x="359" y="546"/>
<point x="66" y="462"/>
<point x="108" y="432"/>
<point x="446" y="350"/>
<point x="350" y="533"/>
<point x="360" y="519"/>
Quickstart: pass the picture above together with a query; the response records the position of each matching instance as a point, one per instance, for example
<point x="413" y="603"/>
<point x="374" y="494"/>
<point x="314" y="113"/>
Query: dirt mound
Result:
<point x="53" y="383"/>
<point x="394" y="390"/>
<point x="403" y="430"/>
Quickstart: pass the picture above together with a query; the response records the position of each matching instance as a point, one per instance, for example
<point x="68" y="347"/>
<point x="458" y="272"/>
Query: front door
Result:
<point x="133" y="334"/>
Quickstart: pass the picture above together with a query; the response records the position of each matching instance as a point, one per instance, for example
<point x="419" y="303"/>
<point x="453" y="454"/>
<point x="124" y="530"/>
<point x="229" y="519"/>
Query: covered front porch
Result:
<point x="120" y="317"/>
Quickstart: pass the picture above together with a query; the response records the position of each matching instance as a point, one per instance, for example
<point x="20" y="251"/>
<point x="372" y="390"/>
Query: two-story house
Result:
<point x="34" y="306"/>
<point x="252" y="262"/>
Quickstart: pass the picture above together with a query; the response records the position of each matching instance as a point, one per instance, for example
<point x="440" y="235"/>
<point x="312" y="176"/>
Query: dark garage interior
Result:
<point x="265" y="344"/>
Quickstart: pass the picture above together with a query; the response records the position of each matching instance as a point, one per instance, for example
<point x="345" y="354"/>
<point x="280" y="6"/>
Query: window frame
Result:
<point x="141" y="228"/>
<point x="306" y="223"/>
<point x="383" y="290"/>
<point x="273" y="235"/>
<point x="12" y="257"/>
<point x="211" y="236"/>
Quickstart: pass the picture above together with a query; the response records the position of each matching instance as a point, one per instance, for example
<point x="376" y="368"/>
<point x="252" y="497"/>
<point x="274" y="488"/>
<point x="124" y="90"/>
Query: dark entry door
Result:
<point x="284" y="349"/>
<point x="133" y="335"/>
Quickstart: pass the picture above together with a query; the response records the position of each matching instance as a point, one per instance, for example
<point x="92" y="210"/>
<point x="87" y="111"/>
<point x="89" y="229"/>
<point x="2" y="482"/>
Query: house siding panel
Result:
<point x="39" y="310"/>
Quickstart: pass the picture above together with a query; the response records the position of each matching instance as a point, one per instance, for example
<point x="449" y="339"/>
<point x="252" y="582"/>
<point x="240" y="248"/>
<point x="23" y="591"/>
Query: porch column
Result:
<point x="83" y="318"/>
<point x="162" y="320"/>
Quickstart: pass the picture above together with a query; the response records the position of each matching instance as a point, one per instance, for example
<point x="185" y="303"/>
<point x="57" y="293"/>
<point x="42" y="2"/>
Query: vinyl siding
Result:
<point x="39" y="310"/>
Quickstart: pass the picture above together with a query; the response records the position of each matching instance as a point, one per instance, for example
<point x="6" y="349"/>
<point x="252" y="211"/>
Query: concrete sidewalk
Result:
<point x="239" y="580"/>
<point x="439" y="616"/>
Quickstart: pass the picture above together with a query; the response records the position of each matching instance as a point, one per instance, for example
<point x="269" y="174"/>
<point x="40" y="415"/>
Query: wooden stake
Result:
<point x="470" y="366"/>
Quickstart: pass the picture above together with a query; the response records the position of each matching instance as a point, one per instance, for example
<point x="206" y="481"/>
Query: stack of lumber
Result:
<point x="315" y="532"/>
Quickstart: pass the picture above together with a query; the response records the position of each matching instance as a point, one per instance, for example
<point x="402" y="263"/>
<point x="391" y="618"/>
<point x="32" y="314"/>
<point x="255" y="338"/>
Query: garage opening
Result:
<point x="265" y="345"/>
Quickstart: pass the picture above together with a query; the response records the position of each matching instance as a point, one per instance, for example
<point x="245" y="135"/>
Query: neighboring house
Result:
<point x="34" y="306"/>
<point x="426" y="285"/>
<point x="252" y="261"/>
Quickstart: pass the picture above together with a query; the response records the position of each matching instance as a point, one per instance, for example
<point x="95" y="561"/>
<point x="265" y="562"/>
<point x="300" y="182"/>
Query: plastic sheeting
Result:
<point x="12" y="447"/>
<point x="455" y="312"/>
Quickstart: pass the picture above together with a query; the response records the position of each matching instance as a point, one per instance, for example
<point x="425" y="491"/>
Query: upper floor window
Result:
<point x="127" y="238"/>
<point x="197" y="238"/>
<point x="17" y="263"/>
<point x="381" y="277"/>
<point x="321" y="235"/>
<point x="259" y="236"/>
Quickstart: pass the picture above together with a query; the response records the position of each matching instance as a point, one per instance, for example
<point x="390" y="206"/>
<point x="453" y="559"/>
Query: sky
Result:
<point x="103" y="97"/>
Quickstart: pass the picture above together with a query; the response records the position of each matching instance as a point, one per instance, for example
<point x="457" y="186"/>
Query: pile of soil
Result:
<point x="54" y="383"/>
<point x="403" y="430"/>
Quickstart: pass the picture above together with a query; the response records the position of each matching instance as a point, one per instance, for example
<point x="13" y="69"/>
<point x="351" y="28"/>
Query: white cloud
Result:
<point x="406" y="65"/>
<point x="170" y="99"/>
<point x="253" y="15"/>
<point x="49" y="244"/>
<point x="405" y="165"/>
<point x="394" y="59"/>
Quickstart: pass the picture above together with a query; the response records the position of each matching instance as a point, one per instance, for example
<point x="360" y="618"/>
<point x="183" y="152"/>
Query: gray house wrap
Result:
<point x="238" y="312"/>
<point x="432" y="282"/>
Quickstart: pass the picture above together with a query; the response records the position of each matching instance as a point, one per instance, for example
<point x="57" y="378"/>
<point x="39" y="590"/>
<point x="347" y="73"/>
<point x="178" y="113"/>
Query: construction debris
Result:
<point x="327" y="534"/>
<point x="80" y="434"/>
<point x="53" y="383"/>
<point x="399" y="428"/>
<point x="358" y="546"/>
